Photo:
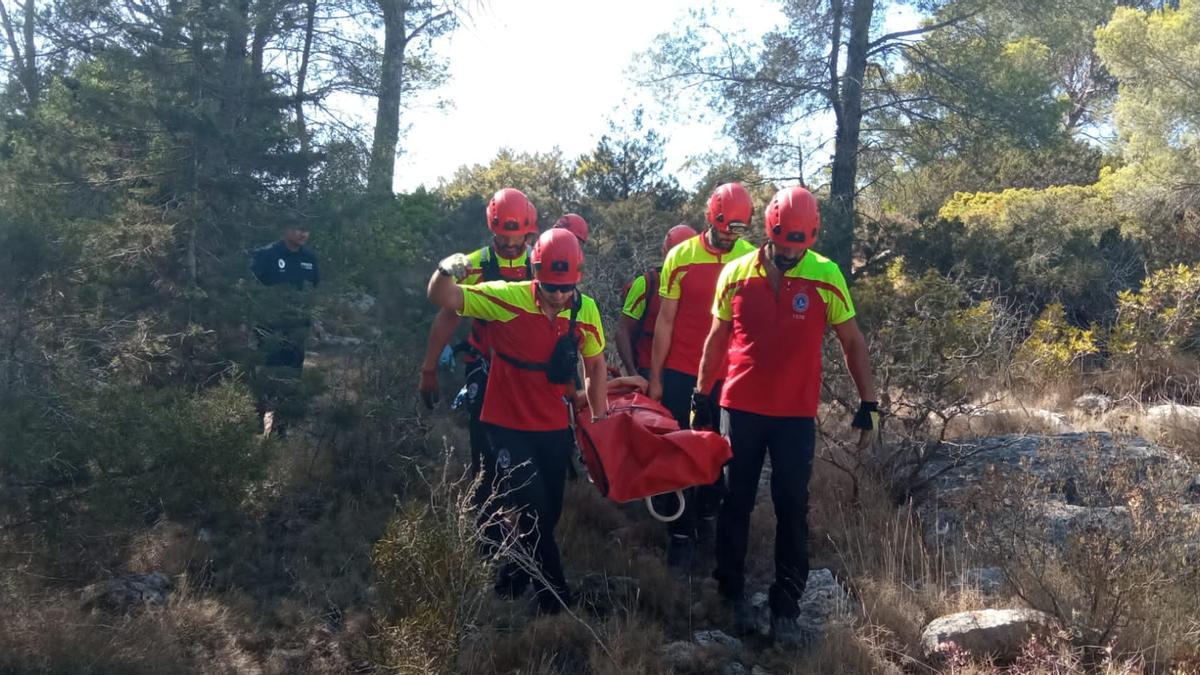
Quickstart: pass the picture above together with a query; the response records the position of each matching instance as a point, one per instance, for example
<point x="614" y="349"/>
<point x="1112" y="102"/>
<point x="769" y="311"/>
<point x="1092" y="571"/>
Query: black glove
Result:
<point x="867" y="419"/>
<point x="701" y="411"/>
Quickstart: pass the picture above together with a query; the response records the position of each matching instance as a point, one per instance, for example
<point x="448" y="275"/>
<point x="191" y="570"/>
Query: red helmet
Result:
<point x="575" y="224"/>
<point x="677" y="235"/>
<point x="730" y="204"/>
<point x="557" y="257"/>
<point x="510" y="212"/>
<point x="793" y="218"/>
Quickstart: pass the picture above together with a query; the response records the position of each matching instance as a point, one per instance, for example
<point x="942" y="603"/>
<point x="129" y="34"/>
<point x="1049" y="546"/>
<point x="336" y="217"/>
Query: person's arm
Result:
<point x="260" y="266"/>
<point x="634" y="306"/>
<point x="444" y="290"/>
<point x="858" y="360"/>
<point x="715" y="347"/>
<point x="440" y="331"/>
<point x="597" y="385"/>
<point x="628" y="383"/>
<point x="627" y="332"/>
<point x="316" y="273"/>
<point x="664" y="327"/>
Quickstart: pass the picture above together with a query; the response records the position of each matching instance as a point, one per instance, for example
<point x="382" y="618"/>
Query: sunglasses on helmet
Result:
<point x="557" y="288"/>
<point x="738" y="228"/>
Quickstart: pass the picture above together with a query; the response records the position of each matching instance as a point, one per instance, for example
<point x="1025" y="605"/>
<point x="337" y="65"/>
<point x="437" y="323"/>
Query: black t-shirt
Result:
<point x="276" y="264"/>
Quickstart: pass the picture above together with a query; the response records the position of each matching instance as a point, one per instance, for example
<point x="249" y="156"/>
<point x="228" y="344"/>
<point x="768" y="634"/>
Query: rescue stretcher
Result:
<point x="639" y="452"/>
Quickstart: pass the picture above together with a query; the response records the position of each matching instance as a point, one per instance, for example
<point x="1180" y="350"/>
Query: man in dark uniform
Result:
<point x="282" y="332"/>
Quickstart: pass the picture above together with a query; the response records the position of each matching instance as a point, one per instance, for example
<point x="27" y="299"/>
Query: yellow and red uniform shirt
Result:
<point x="517" y="398"/>
<point x="516" y="269"/>
<point x="641" y="304"/>
<point x="689" y="275"/>
<point x="774" y="357"/>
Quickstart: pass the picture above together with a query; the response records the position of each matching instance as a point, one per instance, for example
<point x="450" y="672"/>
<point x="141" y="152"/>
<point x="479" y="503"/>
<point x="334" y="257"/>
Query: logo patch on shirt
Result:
<point x="800" y="303"/>
<point x="306" y="266"/>
<point x="282" y="264"/>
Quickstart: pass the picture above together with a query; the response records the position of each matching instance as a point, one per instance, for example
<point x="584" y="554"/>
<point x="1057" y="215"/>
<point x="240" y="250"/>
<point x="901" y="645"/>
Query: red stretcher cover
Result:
<point x="639" y="450"/>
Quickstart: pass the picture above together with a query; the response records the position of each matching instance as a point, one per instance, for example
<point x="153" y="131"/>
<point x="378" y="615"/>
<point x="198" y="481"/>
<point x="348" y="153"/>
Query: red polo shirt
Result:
<point x="774" y="365"/>
<point x="517" y="398"/>
<point x="689" y="275"/>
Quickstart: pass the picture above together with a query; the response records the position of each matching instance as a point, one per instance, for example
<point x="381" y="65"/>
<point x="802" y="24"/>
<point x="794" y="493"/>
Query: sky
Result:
<point x="532" y="75"/>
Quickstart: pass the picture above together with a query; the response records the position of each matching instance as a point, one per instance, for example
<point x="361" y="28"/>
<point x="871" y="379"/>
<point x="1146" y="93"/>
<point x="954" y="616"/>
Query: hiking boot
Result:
<point x="511" y="582"/>
<point x="743" y="617"/>
<point x="544" y="603"/>
<point x="787" y="631"/>
<point x="680" y="551"/>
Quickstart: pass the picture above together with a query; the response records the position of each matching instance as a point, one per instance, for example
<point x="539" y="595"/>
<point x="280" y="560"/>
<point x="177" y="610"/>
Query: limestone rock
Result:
<point x="709" y="638"/>
<point x="824" y="602"/>
<point x="1093" y="404"/>
<point x="1000" y="633"/>
<point x="124" y="594"/>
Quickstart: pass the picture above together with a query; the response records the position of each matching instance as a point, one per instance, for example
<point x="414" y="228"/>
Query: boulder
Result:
<point x="1064" y="468"/>
<point x="1174" y="423"/>
<point x="124" y="594"/>
<point x="709" y="638"/>
<point x="1093" y="404"/>
<point x="824" y="602"/>
<point x="970" y="421"/>
<point x="999" y="633"/>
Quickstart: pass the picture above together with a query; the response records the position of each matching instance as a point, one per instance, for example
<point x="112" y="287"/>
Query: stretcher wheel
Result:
<point x="666" y="519"/>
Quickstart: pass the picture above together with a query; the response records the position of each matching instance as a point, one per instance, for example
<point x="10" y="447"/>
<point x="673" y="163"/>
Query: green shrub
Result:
<point x="120" y="451"/>
<point x="1053" y="347"/>
<point x="1156" y="337"/>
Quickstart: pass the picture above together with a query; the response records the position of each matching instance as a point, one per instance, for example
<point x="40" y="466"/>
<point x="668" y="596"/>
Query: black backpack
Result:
<point x="491" y="266"/>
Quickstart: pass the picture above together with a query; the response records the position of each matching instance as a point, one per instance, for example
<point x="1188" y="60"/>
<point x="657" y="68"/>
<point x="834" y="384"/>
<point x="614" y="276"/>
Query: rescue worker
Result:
<point x="688" y="282"/>
<point x="576" y="225"/>
<point x="512" y="219"/>
<point x="537" y="329"/>
<point x="771" y="311"/>
<point x="639" y="310"/>
<point x="286" y="263"/>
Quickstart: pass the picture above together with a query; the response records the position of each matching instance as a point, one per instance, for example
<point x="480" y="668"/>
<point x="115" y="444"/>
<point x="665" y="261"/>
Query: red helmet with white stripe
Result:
<point x="557" y="258"/>
<point x="793" y="218"/>
<point x="730" y="208"/>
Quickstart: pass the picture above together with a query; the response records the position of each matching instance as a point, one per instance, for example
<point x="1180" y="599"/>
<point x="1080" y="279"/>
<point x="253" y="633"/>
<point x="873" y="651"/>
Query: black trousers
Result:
<point x="791" y="442"/>
<point x="529" y="470"/>
<point x="701" y="501"/>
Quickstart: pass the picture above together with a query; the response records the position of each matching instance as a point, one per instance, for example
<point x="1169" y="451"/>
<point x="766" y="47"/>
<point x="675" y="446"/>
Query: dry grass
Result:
<point x="296" y="592"/>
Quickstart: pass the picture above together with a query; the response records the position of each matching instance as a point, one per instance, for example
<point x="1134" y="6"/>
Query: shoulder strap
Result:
<point x="489" y="265"/>
<point x="575" y="306"/>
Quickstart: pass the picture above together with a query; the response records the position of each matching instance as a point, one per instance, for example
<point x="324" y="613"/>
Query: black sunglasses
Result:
<point x="558" y="288"/>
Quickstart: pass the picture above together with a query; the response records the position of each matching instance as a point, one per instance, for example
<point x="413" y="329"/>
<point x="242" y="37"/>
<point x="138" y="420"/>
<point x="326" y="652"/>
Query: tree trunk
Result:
<point x="233" y="100"/>
<point x="264" y="23"/>
<point x="301" y="123"/>
<point x="387" y="117"/>
<point x="23" y="51"/>
<point x="838" y="233"/>
<point x="33" y="85"/>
